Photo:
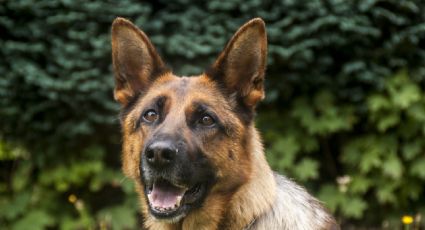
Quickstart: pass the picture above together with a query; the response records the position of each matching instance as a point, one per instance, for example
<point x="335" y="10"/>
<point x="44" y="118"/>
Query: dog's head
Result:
<point x="186" y="138"/>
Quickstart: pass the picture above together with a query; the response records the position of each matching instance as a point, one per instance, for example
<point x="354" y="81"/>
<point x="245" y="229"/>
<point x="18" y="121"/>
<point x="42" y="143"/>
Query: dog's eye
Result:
<point x="150" y="116"/>
<point x="206" y="120"/>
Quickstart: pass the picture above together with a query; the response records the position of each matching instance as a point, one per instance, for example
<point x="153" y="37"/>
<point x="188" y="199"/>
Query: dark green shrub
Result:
<point x="56" y="102"/>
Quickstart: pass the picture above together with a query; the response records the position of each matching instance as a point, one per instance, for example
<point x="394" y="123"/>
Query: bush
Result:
<point x="344" y="112"/>
<point x="56" y="103"/>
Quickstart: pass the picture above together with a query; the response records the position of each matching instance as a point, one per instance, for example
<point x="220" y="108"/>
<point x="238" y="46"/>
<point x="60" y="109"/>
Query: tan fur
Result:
<point x="246" y="54"/>
<point x="134" y="56"/>
<point x="246" y="194"/>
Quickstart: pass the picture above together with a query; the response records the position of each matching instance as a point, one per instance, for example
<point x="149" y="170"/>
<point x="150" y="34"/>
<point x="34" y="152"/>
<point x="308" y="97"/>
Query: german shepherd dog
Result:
<point x="190" y="144"/>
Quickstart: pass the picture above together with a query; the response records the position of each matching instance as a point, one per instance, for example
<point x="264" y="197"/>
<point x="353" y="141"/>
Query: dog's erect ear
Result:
<point x="135" y="60"/>
<point x="241" y="65"/>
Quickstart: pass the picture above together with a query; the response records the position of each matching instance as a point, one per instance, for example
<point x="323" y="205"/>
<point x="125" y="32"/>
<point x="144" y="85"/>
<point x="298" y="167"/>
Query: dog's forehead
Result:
<point x="182" y="85"/>
<point x="187" y="88"/>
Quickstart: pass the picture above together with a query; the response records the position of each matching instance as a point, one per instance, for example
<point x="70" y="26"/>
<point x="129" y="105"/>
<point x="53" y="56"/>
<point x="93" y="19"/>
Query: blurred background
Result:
<point x="344" y="113"/>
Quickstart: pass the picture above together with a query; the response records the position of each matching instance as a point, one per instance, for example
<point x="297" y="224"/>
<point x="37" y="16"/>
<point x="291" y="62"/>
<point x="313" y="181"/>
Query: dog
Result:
<point x="190" y="144"/>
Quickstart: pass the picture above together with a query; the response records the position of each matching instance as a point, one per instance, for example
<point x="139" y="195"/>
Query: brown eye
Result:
<point x="150" y="116"/>
<point x="206" y="120"/>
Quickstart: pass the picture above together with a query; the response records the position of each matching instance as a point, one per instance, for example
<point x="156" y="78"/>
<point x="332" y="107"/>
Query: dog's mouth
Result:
<point x="168" y="200"/>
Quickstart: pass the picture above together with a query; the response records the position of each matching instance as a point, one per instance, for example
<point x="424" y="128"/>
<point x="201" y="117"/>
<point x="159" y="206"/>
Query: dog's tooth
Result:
<point x="179" y="198"/>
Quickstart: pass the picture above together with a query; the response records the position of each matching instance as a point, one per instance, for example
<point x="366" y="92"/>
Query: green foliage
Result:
<point x="389" y="151"/>
<point x="59" y="130"/>
<point x="344" y="112"/>
<point x="376" y="161"/>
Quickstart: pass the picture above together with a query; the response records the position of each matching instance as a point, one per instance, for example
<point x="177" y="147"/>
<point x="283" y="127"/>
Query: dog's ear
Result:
<point x="136" y="62"/>
<point x="241" y="65"/>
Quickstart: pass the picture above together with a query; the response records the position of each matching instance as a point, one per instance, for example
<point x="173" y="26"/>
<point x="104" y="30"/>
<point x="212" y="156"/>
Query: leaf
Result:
<point x="283" y="153"/>
<point x="402" y="90"/>
<point x="418" y="168"/>
<point x="360" y="184"/>
<point x="12" y="208"/>
<point x="407" y="95"/>
<point x="392" y="167"/>
<point x="411" y="150"/>
<point x="353" y="207"/>
<point x="321" y="115"/>
<point x="350" y="206"/>
<point x="370" y="159"/>
<point x="306" y="169"/>
<point x="387" y="120"/>
<point x="378" y="102"/>
<point x="385" y="193"/>
<point x="417" y="112"/>
<point x="34" y="220"/>
<point x="119" y="217"/>
<point x="286" y="146"/>
<point x="309" y="143"/>
<point x="353" y="150"/>
<point x="331" y="196"/>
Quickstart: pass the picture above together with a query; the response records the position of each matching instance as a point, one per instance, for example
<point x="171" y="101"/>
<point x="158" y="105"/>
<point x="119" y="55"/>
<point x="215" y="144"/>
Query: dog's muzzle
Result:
<point x="172" y="181"/>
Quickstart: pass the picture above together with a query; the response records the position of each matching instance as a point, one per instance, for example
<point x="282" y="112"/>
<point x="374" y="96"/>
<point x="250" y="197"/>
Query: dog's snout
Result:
<point x="160" y="153"/>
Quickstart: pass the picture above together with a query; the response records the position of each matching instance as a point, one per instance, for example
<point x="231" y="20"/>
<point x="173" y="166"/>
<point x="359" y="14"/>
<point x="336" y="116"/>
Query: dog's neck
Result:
<point x="249" y="202"/>
<point x="255" y="197"/>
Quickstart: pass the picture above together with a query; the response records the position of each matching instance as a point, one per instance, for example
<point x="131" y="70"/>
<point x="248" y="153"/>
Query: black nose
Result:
<point x="160" y="153"/>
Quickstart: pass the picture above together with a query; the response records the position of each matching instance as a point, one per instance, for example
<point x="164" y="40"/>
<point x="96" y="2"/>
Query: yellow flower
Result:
<point x="407" y="219"/>
<point x="72" y="198"/>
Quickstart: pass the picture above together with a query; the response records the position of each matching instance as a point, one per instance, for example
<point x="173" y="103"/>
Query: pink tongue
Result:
<point x="165" y="195"/>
